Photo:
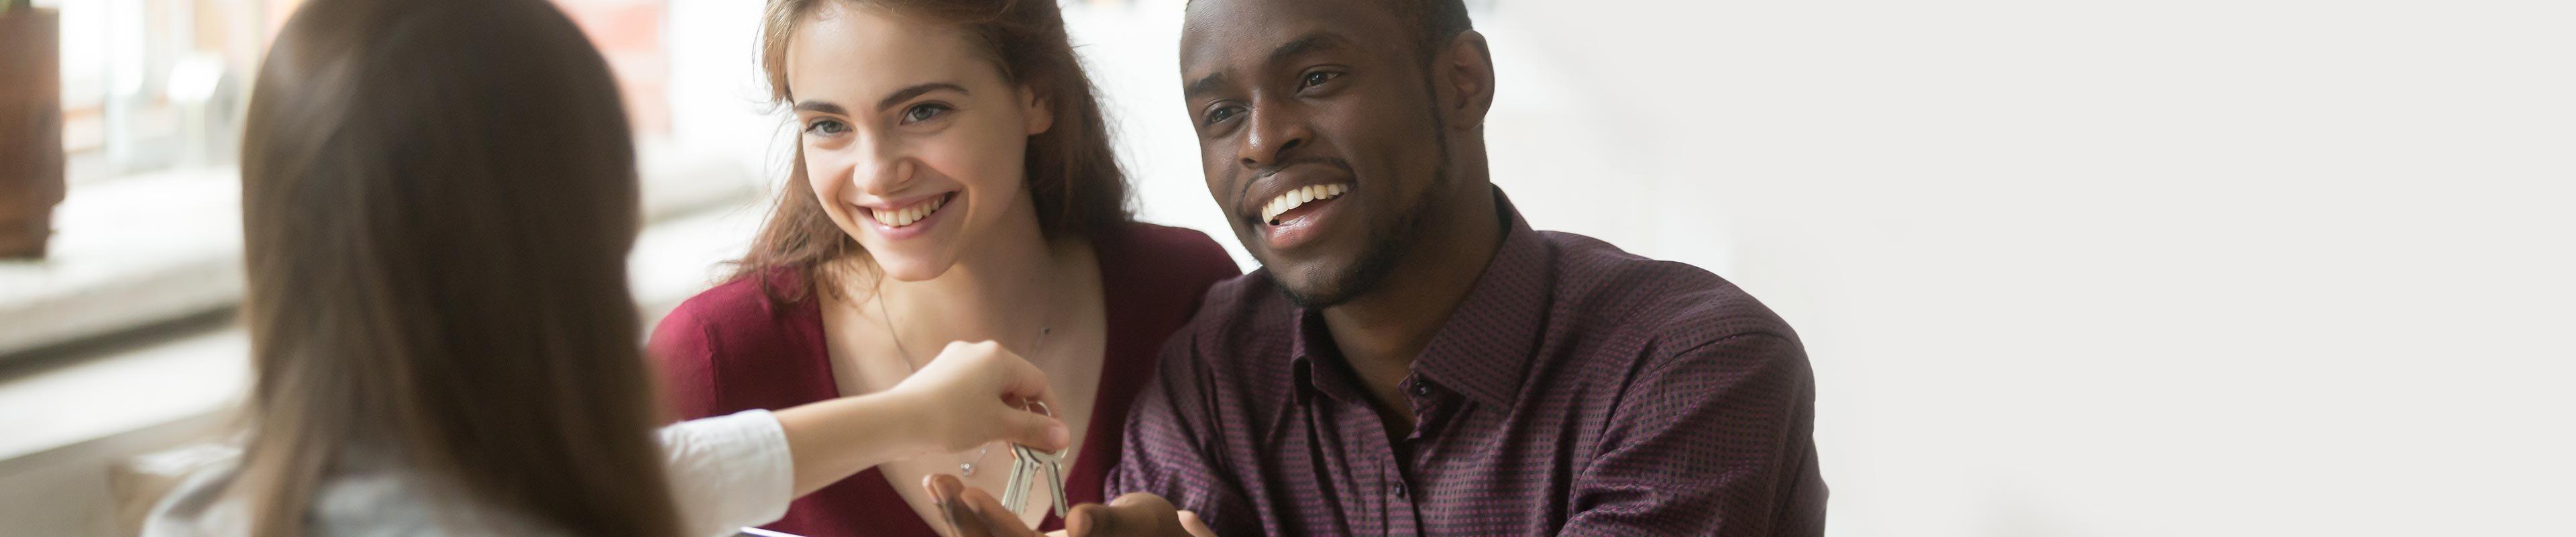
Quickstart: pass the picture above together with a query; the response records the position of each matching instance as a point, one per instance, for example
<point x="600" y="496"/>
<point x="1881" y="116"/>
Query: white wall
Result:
<point x="2238" y="267"/>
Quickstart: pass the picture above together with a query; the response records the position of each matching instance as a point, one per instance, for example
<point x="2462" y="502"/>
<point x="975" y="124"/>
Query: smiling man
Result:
<point x="1414" y="358"/>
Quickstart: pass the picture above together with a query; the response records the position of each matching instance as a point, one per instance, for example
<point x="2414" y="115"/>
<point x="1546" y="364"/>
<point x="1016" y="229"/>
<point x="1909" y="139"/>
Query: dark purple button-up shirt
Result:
<point x="1578" y="390"/>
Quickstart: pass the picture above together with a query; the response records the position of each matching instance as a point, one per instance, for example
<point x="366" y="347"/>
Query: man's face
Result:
<point x="1319" y="135"/>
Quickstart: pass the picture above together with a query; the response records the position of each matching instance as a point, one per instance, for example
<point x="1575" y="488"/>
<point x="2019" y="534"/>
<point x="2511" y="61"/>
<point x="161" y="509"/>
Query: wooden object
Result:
<point x="31" y="129"/>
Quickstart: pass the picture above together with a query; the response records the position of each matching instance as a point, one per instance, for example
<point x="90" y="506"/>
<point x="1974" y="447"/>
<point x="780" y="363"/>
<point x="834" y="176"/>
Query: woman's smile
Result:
<point x="906" y="219"/>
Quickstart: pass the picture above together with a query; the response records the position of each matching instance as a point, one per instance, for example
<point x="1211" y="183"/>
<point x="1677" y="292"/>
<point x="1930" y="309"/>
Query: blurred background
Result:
<point x="2189" y="267"/>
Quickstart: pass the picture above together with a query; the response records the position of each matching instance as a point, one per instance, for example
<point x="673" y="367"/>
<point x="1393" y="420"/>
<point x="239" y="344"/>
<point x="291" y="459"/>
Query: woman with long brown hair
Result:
<point x="953" y="180"/>
<point x="438" y="201"/>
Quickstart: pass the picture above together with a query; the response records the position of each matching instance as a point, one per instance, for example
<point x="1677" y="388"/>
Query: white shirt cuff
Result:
<point x="729" y="471"/>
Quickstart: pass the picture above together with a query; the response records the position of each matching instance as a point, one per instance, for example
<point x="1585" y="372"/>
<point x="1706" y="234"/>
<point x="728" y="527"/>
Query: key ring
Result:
<point x="1040" y="407"/>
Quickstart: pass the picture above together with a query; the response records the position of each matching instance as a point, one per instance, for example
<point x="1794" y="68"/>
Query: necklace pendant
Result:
<point x="966" y="469"/>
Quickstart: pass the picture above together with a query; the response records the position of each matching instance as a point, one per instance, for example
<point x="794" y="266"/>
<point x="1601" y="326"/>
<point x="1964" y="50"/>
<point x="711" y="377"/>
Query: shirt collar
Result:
<point x="1484" y="350"/>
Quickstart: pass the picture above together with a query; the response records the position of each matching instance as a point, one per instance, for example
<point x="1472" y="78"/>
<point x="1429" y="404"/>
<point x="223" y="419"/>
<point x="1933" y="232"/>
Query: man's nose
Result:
<point x="1275" y="131"/>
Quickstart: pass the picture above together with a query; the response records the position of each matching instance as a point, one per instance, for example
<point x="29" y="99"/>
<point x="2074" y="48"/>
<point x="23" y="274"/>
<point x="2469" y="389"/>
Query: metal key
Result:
<point x="1053" y="463"/>
<point x="1027" y="461"/>
<point x="1016" y="494"/>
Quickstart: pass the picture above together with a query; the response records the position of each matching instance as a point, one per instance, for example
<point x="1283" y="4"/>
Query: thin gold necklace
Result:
<point x="965" y="468"/>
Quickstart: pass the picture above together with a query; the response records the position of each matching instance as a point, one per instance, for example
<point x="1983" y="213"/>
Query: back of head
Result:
<point x="439" y="197"/>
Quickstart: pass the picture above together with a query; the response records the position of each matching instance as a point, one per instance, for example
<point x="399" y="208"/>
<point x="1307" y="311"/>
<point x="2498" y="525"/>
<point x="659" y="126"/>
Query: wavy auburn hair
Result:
<point x="1073" y="174"/>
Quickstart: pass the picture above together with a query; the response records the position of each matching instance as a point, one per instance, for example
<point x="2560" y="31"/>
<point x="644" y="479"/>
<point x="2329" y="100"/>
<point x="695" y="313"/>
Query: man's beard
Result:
<point x="1386" y="245"/>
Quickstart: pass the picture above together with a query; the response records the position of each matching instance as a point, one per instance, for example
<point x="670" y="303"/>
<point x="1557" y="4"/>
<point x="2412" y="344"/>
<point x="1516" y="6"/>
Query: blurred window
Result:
<point x="158" y="84"/>
<point x="154" y="84"/>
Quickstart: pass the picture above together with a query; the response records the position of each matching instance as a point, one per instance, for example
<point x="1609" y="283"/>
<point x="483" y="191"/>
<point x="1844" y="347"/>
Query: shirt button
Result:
<point x="1421" y="389"/>
<point x="1399" y="489"/>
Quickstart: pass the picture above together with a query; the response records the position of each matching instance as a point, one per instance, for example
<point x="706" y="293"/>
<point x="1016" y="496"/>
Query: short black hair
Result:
<point x="1434" y="22"/>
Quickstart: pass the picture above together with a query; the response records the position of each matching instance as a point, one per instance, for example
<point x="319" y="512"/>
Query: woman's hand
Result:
<point x="971" y="394"/>
<point x="974" y="393"/>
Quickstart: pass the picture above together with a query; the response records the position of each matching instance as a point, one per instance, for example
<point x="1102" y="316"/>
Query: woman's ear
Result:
<point x="1036" y="108"/>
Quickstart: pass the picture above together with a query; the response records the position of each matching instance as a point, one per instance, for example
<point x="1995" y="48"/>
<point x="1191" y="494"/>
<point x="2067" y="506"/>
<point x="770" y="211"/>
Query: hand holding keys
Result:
<point x="1031" y="464"/>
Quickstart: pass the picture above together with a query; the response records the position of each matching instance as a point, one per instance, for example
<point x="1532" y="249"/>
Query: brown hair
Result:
<point x="1073" y="174"/>
<point x="438" y="200"/>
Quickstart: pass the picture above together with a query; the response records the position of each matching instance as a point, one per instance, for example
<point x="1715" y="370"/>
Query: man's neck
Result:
<point x="1380" y="333"/>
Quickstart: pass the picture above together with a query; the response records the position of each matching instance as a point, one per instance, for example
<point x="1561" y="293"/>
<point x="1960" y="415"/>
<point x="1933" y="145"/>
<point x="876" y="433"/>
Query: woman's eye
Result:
<point x="1316" y="78"/>
<point x="924" y="112"/>
<point x="826" y="127"/>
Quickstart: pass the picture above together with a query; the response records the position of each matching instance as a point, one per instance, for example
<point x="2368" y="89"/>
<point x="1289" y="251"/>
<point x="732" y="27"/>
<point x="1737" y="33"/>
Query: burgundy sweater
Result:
<point x="731" y="349"/>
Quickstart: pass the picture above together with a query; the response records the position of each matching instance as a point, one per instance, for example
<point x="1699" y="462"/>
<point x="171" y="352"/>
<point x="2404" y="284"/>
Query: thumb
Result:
<point x="1035" y="430"/>
<point x="1197" y="528"/>
<point x="1136" y="513"/>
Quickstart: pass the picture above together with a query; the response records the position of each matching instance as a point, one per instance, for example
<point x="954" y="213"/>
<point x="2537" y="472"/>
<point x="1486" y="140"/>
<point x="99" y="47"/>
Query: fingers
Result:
<point x="1022" y="381"/>
<point x="1133" y="514"/>
<point x="1018" y="380"/>
<point x="1198" y="528"/>
<point x="970" y="511"/>
<point x="943" y="489"/>
<point x="1022" y="386"/>
<point x="1037" y="431"/>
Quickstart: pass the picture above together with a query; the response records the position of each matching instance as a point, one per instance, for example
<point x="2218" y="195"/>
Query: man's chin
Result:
<point x="1314" y="299"/>
<point x="1310" y="287"/>
<point x="1324" y="285"/>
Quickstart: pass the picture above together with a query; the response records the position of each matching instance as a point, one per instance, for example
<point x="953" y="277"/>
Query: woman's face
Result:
<point x="912" y="140"/>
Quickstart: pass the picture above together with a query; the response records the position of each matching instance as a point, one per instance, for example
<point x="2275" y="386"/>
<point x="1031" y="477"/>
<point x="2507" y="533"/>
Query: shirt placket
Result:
<point x="1404" y="489"/>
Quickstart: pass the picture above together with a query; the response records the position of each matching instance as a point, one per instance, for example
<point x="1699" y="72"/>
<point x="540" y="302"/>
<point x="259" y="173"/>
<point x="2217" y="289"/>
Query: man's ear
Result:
<point x="1038" y="109"/>
<point x="1467" y="64"/>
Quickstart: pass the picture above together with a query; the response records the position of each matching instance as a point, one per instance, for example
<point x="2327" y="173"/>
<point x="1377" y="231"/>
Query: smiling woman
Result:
<point x="1073" y="180"/>
<point x="953" y="181"/>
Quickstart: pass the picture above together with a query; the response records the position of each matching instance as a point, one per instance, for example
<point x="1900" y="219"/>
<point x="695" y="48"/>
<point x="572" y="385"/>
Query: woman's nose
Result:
<point x="883" y="171"/>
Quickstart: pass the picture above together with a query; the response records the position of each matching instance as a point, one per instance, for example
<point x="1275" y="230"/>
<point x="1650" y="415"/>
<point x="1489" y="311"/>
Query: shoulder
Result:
<point x="735" y="334"/>
<point x="1166" y="253"/>
<point x="741" y="309"/>
<point x="197" y="506"/>
<point x="1159" y="273"/>
<point x="361" y="501"/>
<point x="1241" y="315"/>
<point x="1679" y="306"/>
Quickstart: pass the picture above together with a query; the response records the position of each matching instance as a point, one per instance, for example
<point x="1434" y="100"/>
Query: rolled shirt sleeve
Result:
<point x="728" y="471"/>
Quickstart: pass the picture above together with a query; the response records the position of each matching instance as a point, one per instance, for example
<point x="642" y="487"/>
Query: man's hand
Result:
<point x="974" y="513"/>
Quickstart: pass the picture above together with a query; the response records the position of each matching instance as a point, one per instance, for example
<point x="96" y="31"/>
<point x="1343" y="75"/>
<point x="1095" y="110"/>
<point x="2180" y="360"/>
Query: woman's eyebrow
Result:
<point x="906" y="94"/>
<point x="826" y="107"/>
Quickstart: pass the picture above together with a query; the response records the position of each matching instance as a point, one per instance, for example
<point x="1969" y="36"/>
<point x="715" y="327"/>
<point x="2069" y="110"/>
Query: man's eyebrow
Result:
<point x="1312" y="41"/>
<point x="1204" y="85"/>
<point x="906" y="94"/>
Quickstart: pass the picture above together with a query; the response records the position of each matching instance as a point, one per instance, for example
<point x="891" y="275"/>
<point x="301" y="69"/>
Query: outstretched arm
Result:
<point x="1734" y="458"/>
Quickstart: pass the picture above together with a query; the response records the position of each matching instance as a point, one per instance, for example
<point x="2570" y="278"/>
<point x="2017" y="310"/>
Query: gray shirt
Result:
<point x="726" y="472"/>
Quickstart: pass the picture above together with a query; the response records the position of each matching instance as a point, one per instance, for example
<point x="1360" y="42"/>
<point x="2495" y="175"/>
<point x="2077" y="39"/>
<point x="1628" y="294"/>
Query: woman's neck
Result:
<point x="999" y="289"/>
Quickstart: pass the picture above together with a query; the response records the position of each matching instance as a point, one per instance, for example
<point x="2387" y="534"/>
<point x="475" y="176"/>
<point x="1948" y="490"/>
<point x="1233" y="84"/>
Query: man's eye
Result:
<point x="1220" y="114"/>
<point x="826" y="127"/>
<point x="1316" y="78"/>
<point x="924" y="112"/>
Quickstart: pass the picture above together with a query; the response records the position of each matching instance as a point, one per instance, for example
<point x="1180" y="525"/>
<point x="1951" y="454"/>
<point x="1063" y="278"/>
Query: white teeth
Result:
<point x="908" y="215"/>
<point x="1296" y="197"/>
